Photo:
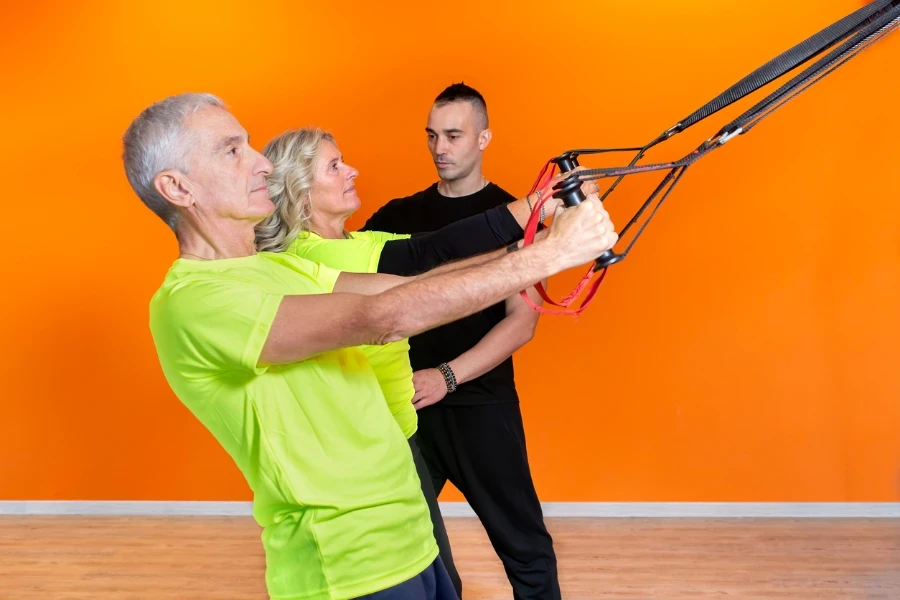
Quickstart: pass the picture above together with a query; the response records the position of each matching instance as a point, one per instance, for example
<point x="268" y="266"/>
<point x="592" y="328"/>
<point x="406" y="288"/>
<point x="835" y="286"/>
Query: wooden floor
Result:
<point x="60" y="558"/>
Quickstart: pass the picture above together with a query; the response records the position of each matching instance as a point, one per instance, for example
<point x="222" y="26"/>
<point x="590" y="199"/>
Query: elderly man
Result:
<point x="261" y="349"/>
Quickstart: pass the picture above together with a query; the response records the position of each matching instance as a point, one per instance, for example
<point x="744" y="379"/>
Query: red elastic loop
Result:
<point x="543" y="183"/>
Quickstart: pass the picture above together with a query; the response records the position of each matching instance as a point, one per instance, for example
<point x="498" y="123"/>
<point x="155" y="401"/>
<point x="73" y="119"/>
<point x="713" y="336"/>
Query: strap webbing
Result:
<point x="846" y="38"/>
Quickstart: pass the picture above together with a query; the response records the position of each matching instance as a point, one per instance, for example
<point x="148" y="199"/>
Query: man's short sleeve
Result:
<point x="325" y="275"/>
<point x="206" y="327"/>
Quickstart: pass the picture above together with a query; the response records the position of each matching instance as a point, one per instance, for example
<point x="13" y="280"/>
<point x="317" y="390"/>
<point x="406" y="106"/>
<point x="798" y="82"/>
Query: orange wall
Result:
<point x="745" y="351"/>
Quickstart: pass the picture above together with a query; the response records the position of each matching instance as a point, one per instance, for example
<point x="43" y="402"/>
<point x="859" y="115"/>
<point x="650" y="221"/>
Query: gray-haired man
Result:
<point x="260" y="347"/>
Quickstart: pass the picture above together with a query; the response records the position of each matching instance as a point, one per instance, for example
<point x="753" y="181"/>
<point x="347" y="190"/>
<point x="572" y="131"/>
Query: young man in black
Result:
<point x="470" y="424"/>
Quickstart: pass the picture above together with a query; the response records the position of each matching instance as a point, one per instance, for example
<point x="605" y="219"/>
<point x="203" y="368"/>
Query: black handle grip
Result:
<point x="569" y="191"/>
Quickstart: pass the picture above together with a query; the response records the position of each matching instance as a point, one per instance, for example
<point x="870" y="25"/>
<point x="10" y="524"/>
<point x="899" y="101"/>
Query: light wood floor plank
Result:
<point x="162" y="558"/>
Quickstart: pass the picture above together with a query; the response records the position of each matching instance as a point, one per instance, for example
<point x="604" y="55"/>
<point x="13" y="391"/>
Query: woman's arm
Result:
<point x="474" y="235"/>
<point x="478" y="234"/>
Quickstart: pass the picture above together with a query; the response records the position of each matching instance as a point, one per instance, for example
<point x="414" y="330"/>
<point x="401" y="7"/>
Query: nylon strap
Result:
<point x="846" y="38"/>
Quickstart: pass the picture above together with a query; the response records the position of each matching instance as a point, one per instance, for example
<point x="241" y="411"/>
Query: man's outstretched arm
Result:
<point x="308" y="325"/>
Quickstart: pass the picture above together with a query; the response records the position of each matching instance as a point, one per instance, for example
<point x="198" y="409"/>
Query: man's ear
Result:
<point x="484" y="138"/>
<point x="174" y="187"/>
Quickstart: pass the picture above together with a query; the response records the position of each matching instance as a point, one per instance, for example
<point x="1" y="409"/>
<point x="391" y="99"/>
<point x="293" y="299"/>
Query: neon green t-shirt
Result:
<point x="390" y="361"/>
<point x="333" y="480"/>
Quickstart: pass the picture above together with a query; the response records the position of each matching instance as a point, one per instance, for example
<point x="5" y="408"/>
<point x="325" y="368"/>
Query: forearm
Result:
<point x="375" y="309"/>
<point x="500" y="343"/>
<point x="429" y="302"/>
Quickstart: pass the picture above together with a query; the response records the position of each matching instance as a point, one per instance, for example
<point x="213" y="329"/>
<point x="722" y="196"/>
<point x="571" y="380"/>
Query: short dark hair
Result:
<point x="460" y="92"/>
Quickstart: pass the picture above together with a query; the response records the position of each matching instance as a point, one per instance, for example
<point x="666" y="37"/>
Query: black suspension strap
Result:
<point x="838" y="43"/>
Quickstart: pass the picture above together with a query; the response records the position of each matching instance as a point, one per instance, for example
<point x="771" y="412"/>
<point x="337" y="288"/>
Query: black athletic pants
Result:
<point x="481" y="449"/>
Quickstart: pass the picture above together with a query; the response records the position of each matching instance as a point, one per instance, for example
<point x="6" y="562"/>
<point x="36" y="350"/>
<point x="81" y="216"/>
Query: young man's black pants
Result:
<point x="481" y="449"/>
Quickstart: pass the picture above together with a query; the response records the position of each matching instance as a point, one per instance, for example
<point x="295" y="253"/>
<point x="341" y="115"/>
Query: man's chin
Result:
<point x="448" y="173"/>
<point x="263" y="212"/>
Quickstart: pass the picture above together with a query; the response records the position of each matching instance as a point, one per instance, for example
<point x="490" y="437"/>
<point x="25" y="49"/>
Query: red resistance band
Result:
<point x="544" y="184"/>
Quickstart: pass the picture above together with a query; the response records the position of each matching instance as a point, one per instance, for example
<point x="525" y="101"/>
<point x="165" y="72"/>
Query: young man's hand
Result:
<point x="430" y="388"/>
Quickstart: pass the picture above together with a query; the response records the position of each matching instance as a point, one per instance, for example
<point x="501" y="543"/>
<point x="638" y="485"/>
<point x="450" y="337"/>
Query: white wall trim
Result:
<point x="461" y="509"/>
<point x="704" y="509"/>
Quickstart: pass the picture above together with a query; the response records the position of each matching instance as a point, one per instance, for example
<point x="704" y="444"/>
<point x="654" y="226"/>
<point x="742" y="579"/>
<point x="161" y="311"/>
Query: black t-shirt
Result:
<point x="428" y="211"/>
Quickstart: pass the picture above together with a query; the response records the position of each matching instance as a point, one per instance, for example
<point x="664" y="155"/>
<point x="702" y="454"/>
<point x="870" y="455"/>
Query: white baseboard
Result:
<point x="708" y="510"/>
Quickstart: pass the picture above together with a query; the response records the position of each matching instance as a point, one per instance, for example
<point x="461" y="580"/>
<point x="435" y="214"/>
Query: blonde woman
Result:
<point x="314" y="194"/>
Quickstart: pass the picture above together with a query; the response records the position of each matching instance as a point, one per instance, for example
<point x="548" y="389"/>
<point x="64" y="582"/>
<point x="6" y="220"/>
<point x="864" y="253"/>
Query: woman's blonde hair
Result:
<point x="293" y="156"/>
